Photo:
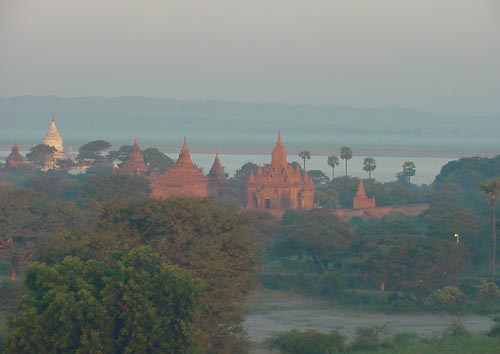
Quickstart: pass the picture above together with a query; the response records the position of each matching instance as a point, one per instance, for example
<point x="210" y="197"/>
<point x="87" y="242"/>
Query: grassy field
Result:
<point x="446" y="345"/>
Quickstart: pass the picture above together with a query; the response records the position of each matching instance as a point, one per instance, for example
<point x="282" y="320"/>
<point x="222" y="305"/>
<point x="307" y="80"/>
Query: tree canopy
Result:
<point x="157" y="160"/>
<point x="40" y="153"/>
<point x="212" y="242"/>
<point x="138" y="304"/>
<point x="332" y="162"/>
<point x="407" y="172"/>
<point x="345" y="154"/>
<point x="369" y="166"/>
<point x="93" y="149"/>
<point x="305" y="155"/>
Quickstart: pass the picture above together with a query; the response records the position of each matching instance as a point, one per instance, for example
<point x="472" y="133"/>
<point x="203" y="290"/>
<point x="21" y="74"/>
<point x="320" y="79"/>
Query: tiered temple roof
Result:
<point x="135" y="165"/>
<point x="183" y="179"/>
<point x="279" y="185"/>
<point x="15" y="158"/>
<point x="217" y="177"/>
<point x="361" y="201"/>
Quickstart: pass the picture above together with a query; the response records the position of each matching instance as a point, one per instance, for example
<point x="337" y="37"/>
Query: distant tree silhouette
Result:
<point x="345" y="154"/>
<point x="369" y="166"/>
<point x="332" y="162"/>
<point x="492" y="187"/>
<point x="305" y="155"/>
<point x="40" y="153"/>
<point x="407" y="172"/>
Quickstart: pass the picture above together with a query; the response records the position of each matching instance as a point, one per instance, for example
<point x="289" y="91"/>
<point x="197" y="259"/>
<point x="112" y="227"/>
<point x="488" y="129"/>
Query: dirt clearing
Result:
<point x="270" y="311"/>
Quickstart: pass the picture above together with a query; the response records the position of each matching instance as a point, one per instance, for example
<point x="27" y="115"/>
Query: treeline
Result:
<point x="439" y="259"/>
<point x="126" y="272"/>
<point x="114" y="271"/>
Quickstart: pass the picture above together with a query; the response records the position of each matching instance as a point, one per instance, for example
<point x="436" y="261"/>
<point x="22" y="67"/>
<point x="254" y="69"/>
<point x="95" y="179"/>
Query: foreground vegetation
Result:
<point x="369" y="340"/>
<point x="98" y="242"/>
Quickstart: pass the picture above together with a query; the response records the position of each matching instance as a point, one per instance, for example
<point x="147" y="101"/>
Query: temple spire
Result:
<point x="184" y="155"/>
<point x="217" y="172"/>
<point x="278" y="158"/>
<point x="279" y="141"/>
<point x="361" y="190"/>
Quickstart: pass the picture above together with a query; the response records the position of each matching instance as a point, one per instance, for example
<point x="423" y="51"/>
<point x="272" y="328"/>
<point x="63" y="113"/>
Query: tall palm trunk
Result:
<point x="494" y="226"/>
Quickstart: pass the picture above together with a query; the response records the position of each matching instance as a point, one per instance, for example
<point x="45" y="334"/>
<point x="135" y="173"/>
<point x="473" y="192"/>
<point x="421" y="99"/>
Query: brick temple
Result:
<point x="279" y="186"/>
<point x="183" y="179"/>
<point x="15" y="158"/>
<point x="135" y="165"/>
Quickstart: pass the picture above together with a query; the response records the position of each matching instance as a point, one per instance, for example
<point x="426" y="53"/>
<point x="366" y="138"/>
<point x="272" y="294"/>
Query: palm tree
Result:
<point x="492" y="187"/>
<point x="369" y="166"/>
<point x="407" y="172"/>
<point x="345" y="154"/>
<point x="332" y="162"/>
<point x="305" y="155"/>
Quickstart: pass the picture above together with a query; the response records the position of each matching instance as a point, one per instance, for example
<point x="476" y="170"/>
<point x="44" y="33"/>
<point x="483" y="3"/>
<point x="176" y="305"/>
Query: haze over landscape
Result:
<point x="181" y="176"/>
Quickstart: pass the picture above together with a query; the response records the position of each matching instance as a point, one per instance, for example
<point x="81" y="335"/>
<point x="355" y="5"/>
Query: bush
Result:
<point x="368" y="338"/>
<point x="495" y="329"/>
<point x="488" y="297"/>
<point x="307" y="342"/>
<point x="405" y="339"/>
<point x="332" y="283"/>
<point x="404" y="304"/>
<point x="456" y="329"/>
<point x="447" y="298"/>
<point x="276" y="281"/>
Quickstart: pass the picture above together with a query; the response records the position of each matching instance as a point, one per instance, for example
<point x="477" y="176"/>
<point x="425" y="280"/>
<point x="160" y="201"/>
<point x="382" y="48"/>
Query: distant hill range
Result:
<point x="244" y="126"/>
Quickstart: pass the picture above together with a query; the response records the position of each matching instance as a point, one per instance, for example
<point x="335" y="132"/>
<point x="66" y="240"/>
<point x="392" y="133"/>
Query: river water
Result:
<point x="427" y="167"/>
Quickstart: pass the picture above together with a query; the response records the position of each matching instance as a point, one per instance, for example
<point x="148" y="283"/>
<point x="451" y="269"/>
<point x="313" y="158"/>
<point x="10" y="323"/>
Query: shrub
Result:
<point x="456" y="329"/>
<point x="331" y="283"/>
<point x="404" y="304"/>
<point x="488" y="297"/>
<point x="405" y="339"/>
<point x="495" y="329"/>
<point x="368" y="338"/>
<point x="447" y="298"/>
<point x="307" y="342"/>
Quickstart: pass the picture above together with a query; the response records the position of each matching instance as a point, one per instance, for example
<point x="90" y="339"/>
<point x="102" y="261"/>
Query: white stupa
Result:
<point x="54" y="139"/>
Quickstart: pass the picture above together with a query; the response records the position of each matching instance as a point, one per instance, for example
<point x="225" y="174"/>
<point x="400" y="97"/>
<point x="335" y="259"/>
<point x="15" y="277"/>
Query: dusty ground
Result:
<point x="270" y="311"/>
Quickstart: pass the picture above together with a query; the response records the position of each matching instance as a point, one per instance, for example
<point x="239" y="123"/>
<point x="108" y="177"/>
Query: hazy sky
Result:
<point x="437" y="55"/>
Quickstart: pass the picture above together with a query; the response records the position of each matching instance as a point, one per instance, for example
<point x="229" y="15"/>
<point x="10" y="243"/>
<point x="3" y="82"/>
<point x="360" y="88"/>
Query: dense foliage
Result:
<point x="135" y="305"/>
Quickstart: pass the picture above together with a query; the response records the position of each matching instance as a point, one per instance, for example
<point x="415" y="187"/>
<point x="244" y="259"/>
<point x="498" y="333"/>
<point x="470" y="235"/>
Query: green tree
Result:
<point x="93" y="149"/>
<point x="369" y="166"/>
<point x="65" y="164"/>
<point x="40" y="153"/>
<point x="157" y="160"/>
<point x="318" y="177"/>
<point x="305" y="155"/>
<point x="315" y="233"/>
<point x="407" y="172"/>
<point x="492" y="188"/>
<point x="212" y="241"/>
<point x="137" y="305"/>
<point x="129" y="188"/>
<point x="122" y="154"/>
<point x="444" y="219"/>
<point x="244" y="171"/>
<point x="345" y="154"/>
<point x="412" y="264"/>
<point x="332" y="162"/>
<point x="55" y="185"/>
